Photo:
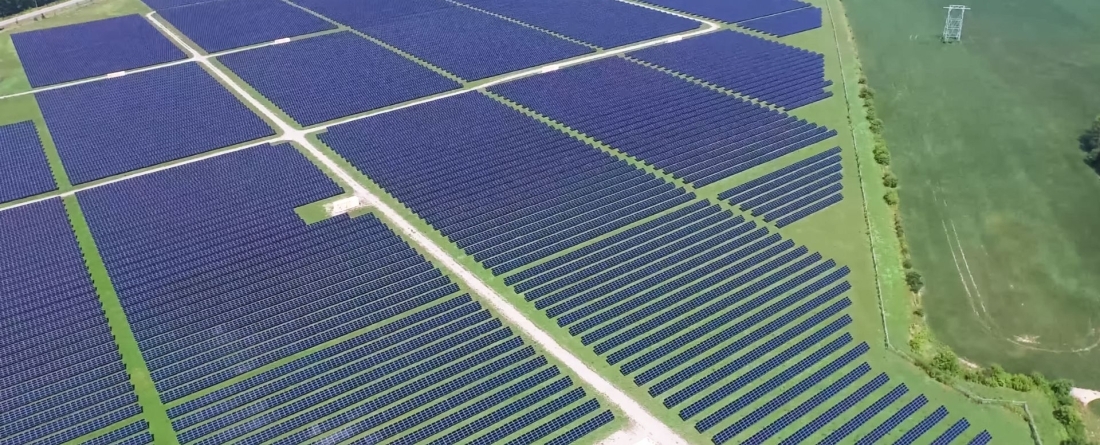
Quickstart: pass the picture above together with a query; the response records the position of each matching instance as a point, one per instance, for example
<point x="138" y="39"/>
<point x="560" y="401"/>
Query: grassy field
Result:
<point x="994" y="191"/>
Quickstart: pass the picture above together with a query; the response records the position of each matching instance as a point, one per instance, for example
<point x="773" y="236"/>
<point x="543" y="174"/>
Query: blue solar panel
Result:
<point x="61" y="375"/>
<point x="161" y="5"/>
<point x="467" y="43"/>
<point x="136" y="432"/>
<point x="72" y="52"/>
<point x="114" y="126"/>
<point x="226" y="24"/>
<point x="24" y="170"/>
<point x="893" y="421"/>
<point x="854" y="423"/>
<point x="383" y="345"/>
<point x="581" y="430"/>
<point x="691" y="132"/>
<point x="787" y="23"/>
<point x="780" y="74"/>
<point x="336" y="75"/>
<point x="928" y="423"/>
<point x="360" y="14"/>
<point x="952" y="433"/>
<point x="604" y="23"/>
<point x="836" y="410"/>
<point x="774" y="403"/>
<point x="981" y="439"/>
<point x="784" y="421"/>
<point x="446" y="157"/>
<point x="731" y="10"/>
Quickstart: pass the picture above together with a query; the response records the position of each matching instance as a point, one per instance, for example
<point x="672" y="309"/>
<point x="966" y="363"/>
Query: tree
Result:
<point x="1090" y="142"/>
<point x="889" y="180"/>
<point x="914" y="280"/>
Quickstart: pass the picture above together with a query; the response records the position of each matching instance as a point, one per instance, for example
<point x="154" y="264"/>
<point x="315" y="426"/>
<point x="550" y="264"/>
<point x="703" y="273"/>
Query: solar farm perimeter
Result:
<point x="490" y="221"/>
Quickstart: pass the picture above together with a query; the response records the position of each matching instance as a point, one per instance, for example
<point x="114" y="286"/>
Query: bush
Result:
<point x="866" y="93"/>
<point x="1038" y="380"/>
<point x="882" y="155"/>
<point x="914" y="280"/>
<point x="1022" y="383"/>
<point x="889" y="180"/>
<point x="891" y="197"/>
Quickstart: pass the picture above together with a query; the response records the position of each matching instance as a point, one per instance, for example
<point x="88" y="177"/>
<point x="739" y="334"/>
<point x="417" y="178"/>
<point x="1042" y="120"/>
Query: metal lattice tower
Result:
<point x="953" y="29"/>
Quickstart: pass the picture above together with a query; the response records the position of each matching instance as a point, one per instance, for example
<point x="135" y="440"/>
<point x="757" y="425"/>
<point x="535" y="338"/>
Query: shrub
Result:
<point x="1038" y="380"/>
<point x="1021" y="382"/>
<point x="889" y="180"/>
<point x="891" y="197"/>
<point x="914" y="280"/>
<point x="882" y="155"/>
<point x="866" y="93"/>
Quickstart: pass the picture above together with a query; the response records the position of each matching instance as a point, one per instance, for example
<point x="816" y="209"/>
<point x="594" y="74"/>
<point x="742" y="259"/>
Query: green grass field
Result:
<point x="994" y="190"/>
<point x="856" y="233"/>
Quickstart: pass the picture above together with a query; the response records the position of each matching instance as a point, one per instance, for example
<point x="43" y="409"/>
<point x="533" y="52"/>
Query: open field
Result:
<point x="983" y="135"/>
<point x="749" y="387"/>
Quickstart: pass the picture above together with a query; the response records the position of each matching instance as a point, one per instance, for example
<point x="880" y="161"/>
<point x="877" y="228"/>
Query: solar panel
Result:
<point x="689" y="131"/>
<point x="603" y="23"/>
<point x="119" y="125"/>
<point x="24" y="170"/>
<point x="479" y="154"/>
<point x="220" y="25"/>
<point x="89" y="49"/>
<point x="787" y="23"/>
<point x="779" y="74"/>
<point x="61" y="375"/>
<point x="467" y="43"/>
<point x="731" y="11"/>
<point x="336" y="75"/>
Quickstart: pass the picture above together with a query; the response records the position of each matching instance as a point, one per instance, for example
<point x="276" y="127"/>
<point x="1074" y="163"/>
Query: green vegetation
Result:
<point x="13" y="7"/>
<point x="1090" y="143"/>
<point x="983" y="139"/>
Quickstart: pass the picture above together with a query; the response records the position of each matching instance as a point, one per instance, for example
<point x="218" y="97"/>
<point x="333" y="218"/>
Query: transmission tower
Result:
<point x="953" y="29"/>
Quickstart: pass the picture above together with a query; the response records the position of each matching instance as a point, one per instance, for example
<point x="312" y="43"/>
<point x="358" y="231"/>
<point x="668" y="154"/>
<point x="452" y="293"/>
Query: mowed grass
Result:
<point x="994" y="191"/>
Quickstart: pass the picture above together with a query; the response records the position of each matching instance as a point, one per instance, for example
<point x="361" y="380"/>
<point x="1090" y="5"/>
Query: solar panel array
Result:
<point x="161" y="5"/>
<point x="689" y="131"/>
<point x="504" y="187"/>
<point x="792" y="192"/>
<point x="787" y="23"/>
<point x="731" y="10"/>
<point x="89" y="49"/>
<point x="292" y="331"/>
<point x="604" y="23"/>
<point x="336" y="75"/>
<point x="467" y="43"/>
<point x="722" y="320"/>
<point x="61" y="376"/>
<point x="118" y="125"/>
<point x="226" y="24"/>
<point x="24" y="170"/>
<point x="776" y="73"/>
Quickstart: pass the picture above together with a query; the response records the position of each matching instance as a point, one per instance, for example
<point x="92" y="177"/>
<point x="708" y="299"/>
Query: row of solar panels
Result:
<point x="256" y="326"/>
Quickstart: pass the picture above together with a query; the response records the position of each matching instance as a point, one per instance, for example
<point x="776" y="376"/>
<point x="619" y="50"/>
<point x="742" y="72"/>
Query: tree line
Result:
<point x="12" y="7"/>
<point x="1090" y="142"/>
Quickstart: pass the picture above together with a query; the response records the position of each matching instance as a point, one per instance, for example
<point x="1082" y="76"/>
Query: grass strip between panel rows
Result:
<point x="154" y="410"/>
